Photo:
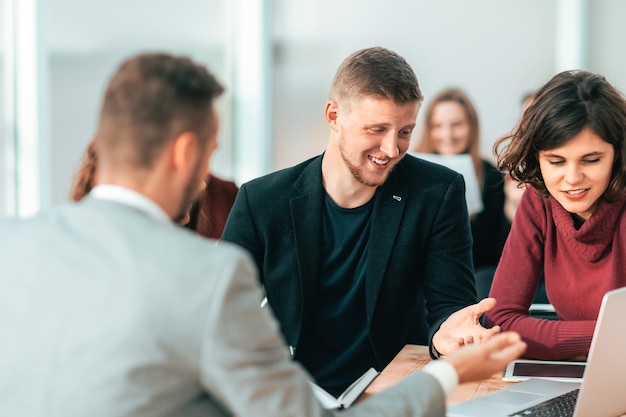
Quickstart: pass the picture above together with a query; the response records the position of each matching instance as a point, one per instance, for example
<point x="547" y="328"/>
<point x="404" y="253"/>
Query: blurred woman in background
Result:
<point x="451" y="127"/>
<point x="207" y="215"/>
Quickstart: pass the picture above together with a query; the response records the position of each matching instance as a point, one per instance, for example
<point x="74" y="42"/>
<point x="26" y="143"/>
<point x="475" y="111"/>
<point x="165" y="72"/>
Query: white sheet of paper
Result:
<point x="462" y="164"/>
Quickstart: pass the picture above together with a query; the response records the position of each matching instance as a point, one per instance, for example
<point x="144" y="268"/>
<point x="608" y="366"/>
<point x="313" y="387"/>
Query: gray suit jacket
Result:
<point x="107" y="312"/>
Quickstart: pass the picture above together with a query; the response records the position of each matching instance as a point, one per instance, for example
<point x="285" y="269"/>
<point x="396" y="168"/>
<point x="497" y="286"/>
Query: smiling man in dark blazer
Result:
<point x="364" y="249"/>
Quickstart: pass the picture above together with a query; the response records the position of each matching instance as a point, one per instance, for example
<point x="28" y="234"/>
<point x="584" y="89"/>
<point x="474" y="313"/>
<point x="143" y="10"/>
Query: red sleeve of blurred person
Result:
<point x="214" y="206"/>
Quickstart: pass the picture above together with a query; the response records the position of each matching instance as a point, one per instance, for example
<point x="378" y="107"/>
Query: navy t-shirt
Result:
<point x="334" y="345"/>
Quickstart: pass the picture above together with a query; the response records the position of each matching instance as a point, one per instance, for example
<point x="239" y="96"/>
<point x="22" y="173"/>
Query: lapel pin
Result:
<point x="397" y="198"/>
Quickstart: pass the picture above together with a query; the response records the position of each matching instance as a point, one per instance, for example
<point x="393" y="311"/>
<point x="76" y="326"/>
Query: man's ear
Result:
<point x="185" y="151"/>
<point x="331" y="112"/>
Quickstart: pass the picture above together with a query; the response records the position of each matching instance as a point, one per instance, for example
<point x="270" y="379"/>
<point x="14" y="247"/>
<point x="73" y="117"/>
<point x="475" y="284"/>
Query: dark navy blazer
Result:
<point x="419" y="269"/>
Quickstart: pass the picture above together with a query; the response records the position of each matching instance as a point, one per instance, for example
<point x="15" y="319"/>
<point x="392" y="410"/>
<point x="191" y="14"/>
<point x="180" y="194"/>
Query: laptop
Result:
<point x="601" y="392"/>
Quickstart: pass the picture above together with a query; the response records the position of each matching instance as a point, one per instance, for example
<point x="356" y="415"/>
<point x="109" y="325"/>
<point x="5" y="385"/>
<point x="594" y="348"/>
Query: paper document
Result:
<point x="464" y="165"/>
<point x="349" y="396"/>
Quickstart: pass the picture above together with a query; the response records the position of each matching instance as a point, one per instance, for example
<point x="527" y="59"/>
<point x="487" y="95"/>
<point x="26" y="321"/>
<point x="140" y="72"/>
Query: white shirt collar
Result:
<point x="130" y="198"/>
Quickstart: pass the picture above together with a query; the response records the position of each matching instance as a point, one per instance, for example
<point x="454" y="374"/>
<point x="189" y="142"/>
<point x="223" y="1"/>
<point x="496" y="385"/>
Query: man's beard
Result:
<point x="358" y="173"/>
<point x="191" y="195"/>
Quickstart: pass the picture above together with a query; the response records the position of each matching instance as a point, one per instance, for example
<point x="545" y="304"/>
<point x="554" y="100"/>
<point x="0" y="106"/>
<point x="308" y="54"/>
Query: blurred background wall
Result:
<point x="277" y="59"/>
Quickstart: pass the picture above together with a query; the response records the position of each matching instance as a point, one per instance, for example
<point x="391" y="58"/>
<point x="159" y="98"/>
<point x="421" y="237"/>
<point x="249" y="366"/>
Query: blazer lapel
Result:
<point x="387" y="216"/>
<point x="306" y="221"/>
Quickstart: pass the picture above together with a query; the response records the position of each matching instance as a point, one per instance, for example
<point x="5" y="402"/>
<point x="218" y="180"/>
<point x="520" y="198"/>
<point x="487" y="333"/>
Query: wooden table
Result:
<point x="412" y="358"/>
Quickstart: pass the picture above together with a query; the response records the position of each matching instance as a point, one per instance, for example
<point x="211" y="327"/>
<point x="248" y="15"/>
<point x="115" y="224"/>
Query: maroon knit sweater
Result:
<point x="217" y="200"/>
<point x="580" y="266"/>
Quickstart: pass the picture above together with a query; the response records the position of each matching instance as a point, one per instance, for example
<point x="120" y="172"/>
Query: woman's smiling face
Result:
<point x="450" y="128"/>
<point x="578" y="173"/>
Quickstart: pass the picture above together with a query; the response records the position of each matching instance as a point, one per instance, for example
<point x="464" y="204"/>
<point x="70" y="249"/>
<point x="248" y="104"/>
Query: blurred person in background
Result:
<point x="207" y="215"/>
<point x="451" y="127"/>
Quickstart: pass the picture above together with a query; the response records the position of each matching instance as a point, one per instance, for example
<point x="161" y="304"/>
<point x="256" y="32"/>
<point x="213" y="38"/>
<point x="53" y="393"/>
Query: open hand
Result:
<point x="463" y="328"/>
<point x="478" y="362"/>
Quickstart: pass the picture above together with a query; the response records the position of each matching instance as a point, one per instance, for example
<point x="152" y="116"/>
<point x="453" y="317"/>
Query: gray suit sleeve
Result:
<point x="246" y="365"/>
<point x="419" y="394"/>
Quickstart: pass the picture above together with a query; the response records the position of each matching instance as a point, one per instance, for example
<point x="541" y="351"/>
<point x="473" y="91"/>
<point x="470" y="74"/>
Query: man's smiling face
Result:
<point x="373" y="136"/>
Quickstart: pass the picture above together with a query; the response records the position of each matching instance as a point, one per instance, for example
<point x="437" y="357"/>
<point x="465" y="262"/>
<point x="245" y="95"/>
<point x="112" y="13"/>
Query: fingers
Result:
<point x="503" y="339"/>
<point x="508" y="353"/>
<point x="481" y="360"/>
<point x="506" y="346"/>
<point x="482" y="335"/>
<point x="463" y="328"/>
<point x="492" y="332"/>
<point x="449" y="346"/>
<point x="484" y="305"/>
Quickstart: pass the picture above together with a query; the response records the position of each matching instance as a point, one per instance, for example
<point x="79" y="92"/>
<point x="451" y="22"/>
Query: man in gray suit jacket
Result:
<point x="109" y="309"/>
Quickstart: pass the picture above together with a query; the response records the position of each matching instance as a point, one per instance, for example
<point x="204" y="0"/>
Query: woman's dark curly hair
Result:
<point x="570" y="102"/>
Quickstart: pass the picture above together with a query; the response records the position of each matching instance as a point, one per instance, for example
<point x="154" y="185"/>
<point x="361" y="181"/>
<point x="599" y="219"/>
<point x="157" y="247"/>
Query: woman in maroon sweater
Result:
<point x="568" y="147"/>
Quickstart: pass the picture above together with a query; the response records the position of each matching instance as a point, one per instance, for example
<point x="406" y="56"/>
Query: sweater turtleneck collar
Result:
<point x="595" y="236"/>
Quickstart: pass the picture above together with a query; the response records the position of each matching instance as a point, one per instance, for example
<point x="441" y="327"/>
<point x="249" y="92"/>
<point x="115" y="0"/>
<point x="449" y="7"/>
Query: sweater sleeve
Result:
<point x="515" y="283"/>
